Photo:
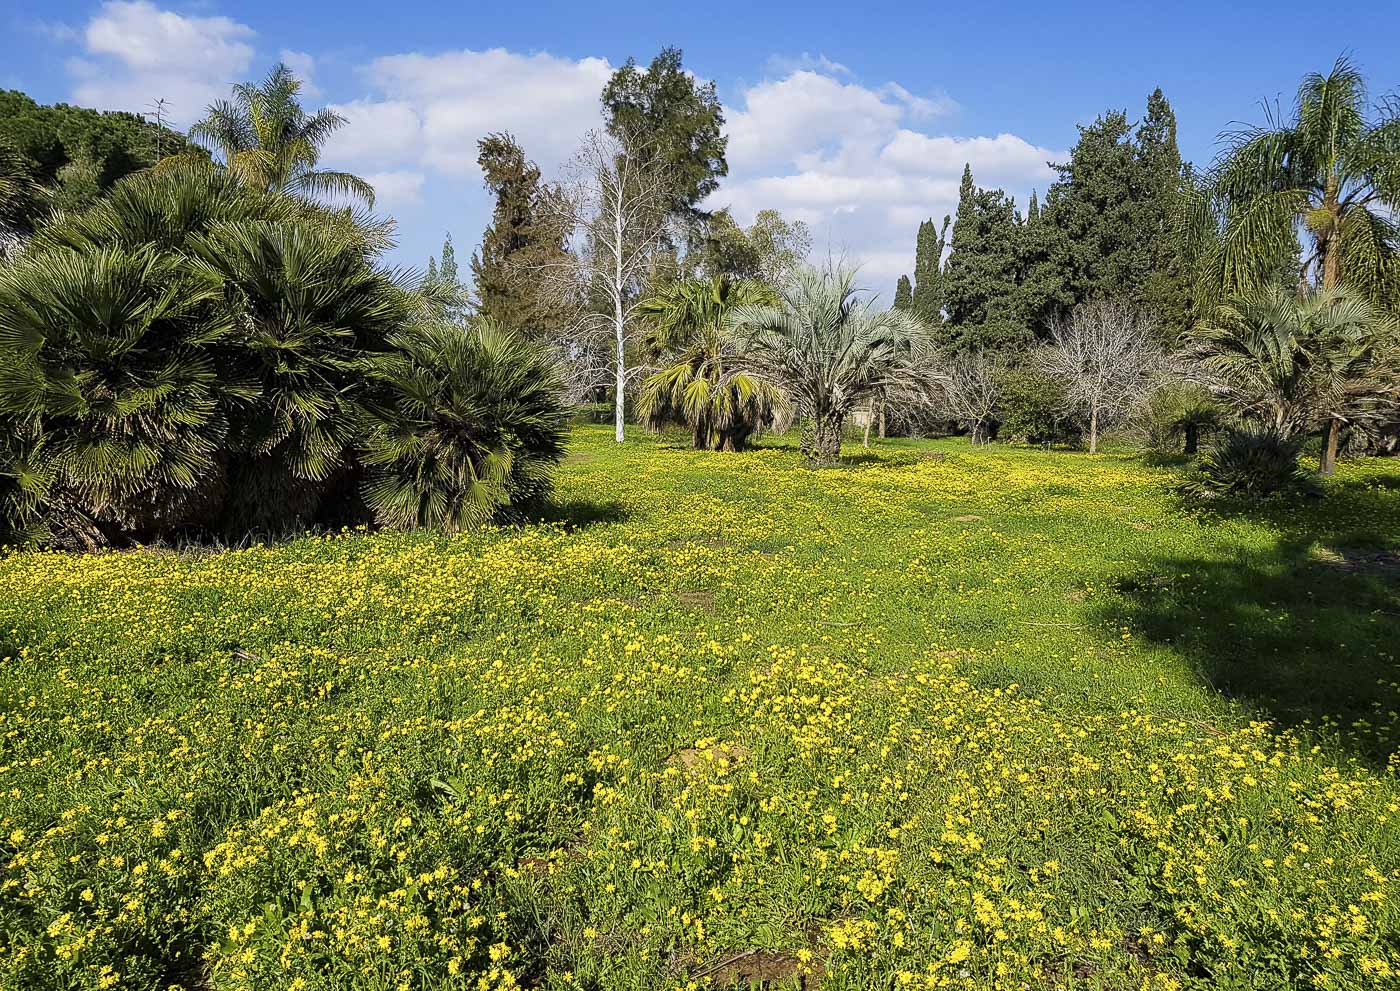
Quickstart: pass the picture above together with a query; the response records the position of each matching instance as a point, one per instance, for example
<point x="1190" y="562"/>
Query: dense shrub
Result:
<point x="1248" y="463"/>
<point x="1033" y="408"/>
<point x="194" y="357"/>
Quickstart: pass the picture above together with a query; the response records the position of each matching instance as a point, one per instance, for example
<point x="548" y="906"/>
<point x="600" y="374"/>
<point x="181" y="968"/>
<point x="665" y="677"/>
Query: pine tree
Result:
<point x="928" y="272"/>
<point x="903" y="294"/>
<point x="1108" y="227"/>
<point x="516" y="245"/>
<point x="679" y="117"/>
<point x="431" y="279"/>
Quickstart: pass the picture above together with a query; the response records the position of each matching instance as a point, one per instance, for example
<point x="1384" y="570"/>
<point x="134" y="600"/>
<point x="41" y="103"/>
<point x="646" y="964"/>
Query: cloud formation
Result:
<point x="851" y="161"/>
<point x="135" y="53"/>
<point x="861" y="163"/>
<point x="458" y="97"/>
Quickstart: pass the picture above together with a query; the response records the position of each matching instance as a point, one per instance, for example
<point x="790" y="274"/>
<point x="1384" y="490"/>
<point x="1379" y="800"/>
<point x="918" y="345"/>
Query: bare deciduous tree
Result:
<point x="1107" y="355"/>
<point x="970" y="386"/>
<point x="615" y="212"/>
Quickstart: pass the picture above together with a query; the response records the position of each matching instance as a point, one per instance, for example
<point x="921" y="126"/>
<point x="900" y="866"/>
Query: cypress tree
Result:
<point x="928" y="272"/>
<point x="1165" y="291"/>
<point x="903" y="295"/>
<point x="447" y="271"/>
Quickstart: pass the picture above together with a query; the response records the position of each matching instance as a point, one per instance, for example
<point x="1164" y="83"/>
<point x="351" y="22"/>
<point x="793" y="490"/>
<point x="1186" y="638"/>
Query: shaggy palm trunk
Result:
<point x="869" y="419"/>
<point x="1331" y="275"/>
<point x="1193" y="437"/>
<point x="823" y="447"/>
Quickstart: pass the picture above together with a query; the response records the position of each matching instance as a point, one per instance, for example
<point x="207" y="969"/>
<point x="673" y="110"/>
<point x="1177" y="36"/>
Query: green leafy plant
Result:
<point x="1177" y="415"/>
<point x="1248" y="463"/>
<point x="831" y="351"/>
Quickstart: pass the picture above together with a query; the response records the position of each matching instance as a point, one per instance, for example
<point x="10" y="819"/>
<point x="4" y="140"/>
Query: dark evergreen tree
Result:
<point x="903" y="294"/>
<point x="1108" y="228"/>
<point x="112" y="143"/>
<point x="516" y="245"/>
<point x="928" y="272"/>
<point x="679" y="117"/>
<point x="980" y="280"/>
<point x="1095" y="207"/>
<point x="1164" y="178"/>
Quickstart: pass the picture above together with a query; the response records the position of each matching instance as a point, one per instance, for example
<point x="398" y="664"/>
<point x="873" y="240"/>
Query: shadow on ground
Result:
<point x="577" y="514"/>
<point x="1306" y="631"/>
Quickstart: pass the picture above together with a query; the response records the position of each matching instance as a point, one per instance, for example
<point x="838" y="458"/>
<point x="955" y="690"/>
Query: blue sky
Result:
<point x="856" y="119"/>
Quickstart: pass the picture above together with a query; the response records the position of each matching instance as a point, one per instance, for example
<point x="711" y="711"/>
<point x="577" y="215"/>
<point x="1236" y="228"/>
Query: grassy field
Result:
<point x="945" y="717"/>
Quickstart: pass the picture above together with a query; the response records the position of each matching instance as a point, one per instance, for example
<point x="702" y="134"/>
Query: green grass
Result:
<point x="942" y="717"/>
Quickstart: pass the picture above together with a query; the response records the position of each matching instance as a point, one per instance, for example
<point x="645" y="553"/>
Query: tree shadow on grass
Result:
<point x="1306" y="631"/>
<point x="578" y="514"/>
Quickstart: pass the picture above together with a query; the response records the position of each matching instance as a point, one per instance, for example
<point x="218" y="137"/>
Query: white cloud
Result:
<point x="861" y="164"/>
<point x="459" y="97"/>
<point x="1004" y="158"/>
<point x="396" y="188"/>
<point x="783" y="65"/>
<point x="851" y="161"/>
<point x="136" y="53"/>
<point x="376" y="134"/>
<point x="303" y="66"/>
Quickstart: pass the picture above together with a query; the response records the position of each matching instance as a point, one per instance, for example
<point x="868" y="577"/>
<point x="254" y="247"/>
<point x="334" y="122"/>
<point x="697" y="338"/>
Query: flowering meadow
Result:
<point x="945" y="717"/>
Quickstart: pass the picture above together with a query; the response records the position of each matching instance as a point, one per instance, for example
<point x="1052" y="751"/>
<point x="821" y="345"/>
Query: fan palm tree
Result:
<point x="109" y="386"/>
<point x="1330" y="174"/>
<point x="702" y="385"/>
<point x="306" y="307"/>
<point x="271" y="143"/>
<point x="463" y="423"/>
<point x="1298" y="363"/>
<point x="829" y="349"/>
<point x="1181" y="411"/>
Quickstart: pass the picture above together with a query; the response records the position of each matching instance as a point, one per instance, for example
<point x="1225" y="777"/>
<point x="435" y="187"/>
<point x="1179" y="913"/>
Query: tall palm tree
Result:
<point x="1330" y="175"/>
<point x="1329" y="357"/>
<point x="270" y="142"/>
<point x="702" y="384"/>
<point x="827" y="346"/>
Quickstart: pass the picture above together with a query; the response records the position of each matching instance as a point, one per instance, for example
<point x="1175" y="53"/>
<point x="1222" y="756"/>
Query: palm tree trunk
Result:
<point x="869" y="419"/>
<point x="826" y="439"/>
<point x="1331" y="433"/>
<point x="1193" y="434"/>
<point x="882" y="419"/>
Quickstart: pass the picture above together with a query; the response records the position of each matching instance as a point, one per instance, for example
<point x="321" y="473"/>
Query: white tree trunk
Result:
<point x="619" y="321"/>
